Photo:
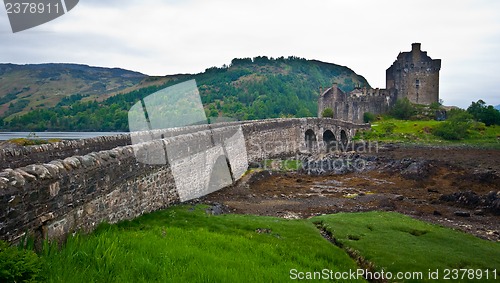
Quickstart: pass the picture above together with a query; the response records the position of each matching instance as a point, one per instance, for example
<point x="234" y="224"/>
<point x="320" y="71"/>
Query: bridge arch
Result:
<point x="310" y="139"/>
<point x="329" y="140"/>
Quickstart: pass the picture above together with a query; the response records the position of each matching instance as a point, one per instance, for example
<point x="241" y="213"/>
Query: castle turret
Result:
<point x="415" y="52"/>
<point x="415" y="75"/>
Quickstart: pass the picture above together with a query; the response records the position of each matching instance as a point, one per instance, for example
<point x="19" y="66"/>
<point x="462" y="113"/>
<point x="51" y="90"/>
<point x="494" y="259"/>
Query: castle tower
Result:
<point x="415" y="75"/>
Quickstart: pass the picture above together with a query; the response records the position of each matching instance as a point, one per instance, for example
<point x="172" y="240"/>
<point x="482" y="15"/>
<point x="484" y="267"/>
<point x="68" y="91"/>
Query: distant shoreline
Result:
<point x="56" y="135"/>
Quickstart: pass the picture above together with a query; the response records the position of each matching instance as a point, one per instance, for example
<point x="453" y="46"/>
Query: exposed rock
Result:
<point x="254" y="165"/>
<point x="398" y="197"/>
<point x="479" y="212"/>
<point x="462" y="213"/>
<point x="491" y="201"/>
<point x="416" y="170"/>
<point x="485" y="175"/>
<point x="216" y="209"/>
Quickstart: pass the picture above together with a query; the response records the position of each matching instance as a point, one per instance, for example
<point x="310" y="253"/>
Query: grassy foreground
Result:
<point x="186" y="244"/>
<point x="392" y="130"/>
<point x="398" y="243"/>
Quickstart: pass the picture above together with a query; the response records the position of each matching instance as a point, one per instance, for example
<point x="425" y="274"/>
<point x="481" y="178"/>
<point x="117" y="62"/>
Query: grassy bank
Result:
<point x="392" y="130"/>
<point x="398" y="243"/>
<point x="186" y="244"/>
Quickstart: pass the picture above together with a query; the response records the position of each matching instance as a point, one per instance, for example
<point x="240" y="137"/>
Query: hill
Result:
<point x="497" y="107"/>
<point x="28" y="87"/>
<point x="62" y="97"/>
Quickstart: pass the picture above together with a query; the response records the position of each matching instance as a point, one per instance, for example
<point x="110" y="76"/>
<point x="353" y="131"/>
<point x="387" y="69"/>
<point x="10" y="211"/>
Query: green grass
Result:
<point x="420" y="132"/>
<point x="398" y="243"/>
<point x="26" y="142"/>
<point x="283" y="165"/>
<point x="184" y="244"/>
<point x="30" y="141"/>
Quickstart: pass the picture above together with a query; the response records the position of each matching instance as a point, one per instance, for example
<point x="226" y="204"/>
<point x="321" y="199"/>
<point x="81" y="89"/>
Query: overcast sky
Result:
<point x="173" y="36"/>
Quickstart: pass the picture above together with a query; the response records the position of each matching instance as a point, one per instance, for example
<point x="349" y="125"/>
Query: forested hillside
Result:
<point x="247" y="89"/>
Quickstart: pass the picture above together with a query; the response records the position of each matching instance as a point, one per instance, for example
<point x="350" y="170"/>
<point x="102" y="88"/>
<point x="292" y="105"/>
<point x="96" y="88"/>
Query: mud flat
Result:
<point x="457" y="187"/>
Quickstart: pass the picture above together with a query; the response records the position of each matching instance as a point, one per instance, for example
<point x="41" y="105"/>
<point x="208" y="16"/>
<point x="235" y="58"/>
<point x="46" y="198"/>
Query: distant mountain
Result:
<point x="497" y="107"/>
<point x="75" y="98"/>
<point x="29" y="87"/>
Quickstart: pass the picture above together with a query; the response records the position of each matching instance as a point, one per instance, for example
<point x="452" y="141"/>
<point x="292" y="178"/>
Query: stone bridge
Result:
<point x="52" y="190"/>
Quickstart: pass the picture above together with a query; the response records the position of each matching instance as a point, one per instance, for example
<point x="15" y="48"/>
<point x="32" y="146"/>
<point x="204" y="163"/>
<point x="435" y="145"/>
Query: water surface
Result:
<point x="56" y="135"/>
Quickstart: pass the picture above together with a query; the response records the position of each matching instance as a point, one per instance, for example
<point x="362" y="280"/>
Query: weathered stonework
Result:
<point x="415" y="75"/>
<point x="17" y="157"/>
<point x="60" y="196"/>
<point x="352" y="106"/>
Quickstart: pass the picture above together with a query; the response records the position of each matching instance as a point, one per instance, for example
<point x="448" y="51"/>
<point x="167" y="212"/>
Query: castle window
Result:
<point x="417" y="83"/>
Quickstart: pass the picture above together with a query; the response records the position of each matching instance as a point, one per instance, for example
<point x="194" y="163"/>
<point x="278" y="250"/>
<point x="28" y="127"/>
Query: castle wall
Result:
<point x="26" y="155"/>
<point x="17" y="157"/>
<point x="57" y="197"/>
<point x="352" y="106"/>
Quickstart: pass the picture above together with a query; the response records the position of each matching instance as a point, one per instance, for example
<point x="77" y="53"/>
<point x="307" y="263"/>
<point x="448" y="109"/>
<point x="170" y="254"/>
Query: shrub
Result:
<point x="387" y="128"/>
<point x="456" y="127"/>
<point x="435" y="106"/>
<point x="459" y="115"/>
<point x="479" y="126"/>
<point x="403" y="109"/>
<point x="369" y="117"/>
<point x="365" y="135"/>
<point x="19" y="265"/>
<point x="451" y="130"/>
<point x="327" y="113"/>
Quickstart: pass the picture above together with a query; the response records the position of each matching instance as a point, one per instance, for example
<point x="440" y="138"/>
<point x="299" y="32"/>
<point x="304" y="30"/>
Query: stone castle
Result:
<point x="413" y="75"/>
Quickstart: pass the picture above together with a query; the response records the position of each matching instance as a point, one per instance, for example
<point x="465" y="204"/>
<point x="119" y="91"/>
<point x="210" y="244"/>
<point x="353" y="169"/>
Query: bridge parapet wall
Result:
<point x="60" y="195"/>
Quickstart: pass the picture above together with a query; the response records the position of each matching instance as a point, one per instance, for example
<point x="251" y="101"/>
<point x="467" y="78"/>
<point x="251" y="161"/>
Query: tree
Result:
<point x="459" y="115"/>
<point x="456" y="127"/>
<point x="369" y="117"/>
<point x="327" y="113"/>
<point x="486" y="114"/>
<point x="403" y="109"/>
<point x="435" y="106"/>
<point x="304" y="112"/>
